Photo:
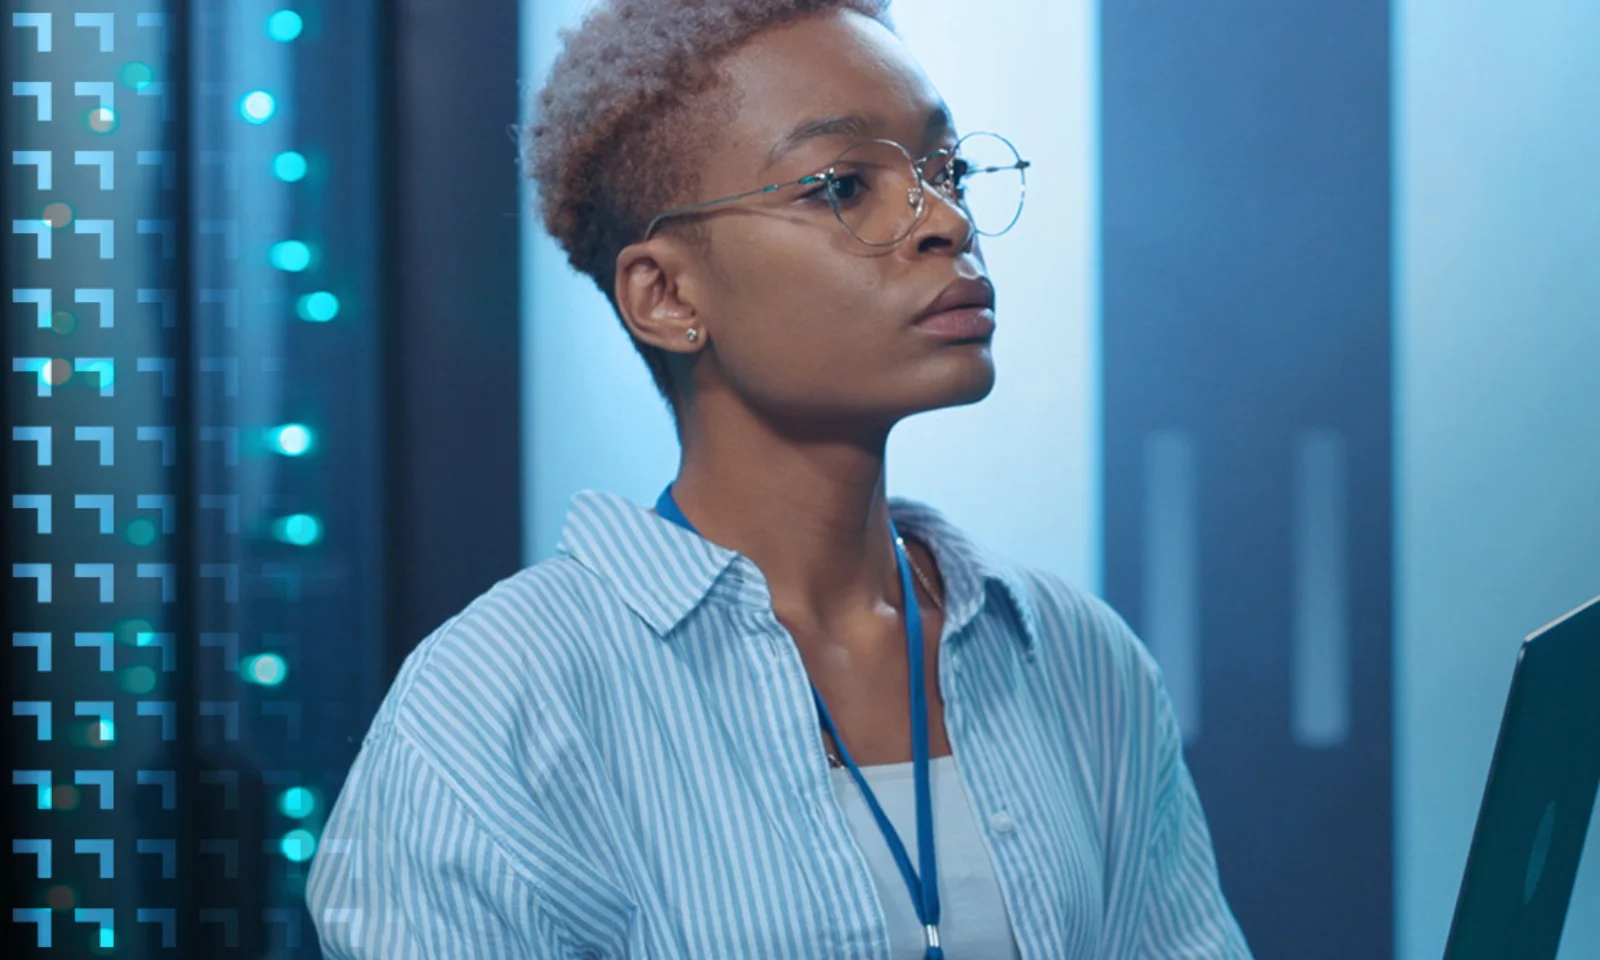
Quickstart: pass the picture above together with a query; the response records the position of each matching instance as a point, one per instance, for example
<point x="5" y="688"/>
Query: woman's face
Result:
<point x="799" y="320"/>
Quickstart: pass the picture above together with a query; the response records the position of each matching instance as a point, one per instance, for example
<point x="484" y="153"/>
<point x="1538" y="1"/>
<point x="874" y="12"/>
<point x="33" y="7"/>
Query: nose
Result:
<point x="943" y="225"/>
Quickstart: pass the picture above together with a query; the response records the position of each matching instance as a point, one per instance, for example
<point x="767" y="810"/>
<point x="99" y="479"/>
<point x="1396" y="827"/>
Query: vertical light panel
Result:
<point x="1246" y="284"/>
<point x="1321" y="592"/>
<point x="1171" y="609"/>
<point x="1497" y="125"/>
<point x="1020" y="470"/>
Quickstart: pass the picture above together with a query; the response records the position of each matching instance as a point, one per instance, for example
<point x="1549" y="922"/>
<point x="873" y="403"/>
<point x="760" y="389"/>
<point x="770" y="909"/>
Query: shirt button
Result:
<point x="1002" y="822"/>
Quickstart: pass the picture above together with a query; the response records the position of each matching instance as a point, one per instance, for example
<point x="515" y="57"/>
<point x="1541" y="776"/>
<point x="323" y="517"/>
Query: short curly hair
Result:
<point x="630" y="102"/>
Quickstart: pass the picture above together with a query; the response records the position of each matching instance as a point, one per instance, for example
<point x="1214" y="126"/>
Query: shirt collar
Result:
<point x="663" y="572"/>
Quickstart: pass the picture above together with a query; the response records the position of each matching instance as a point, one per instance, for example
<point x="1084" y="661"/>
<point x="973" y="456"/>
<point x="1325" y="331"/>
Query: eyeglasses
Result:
<point x="875" y="188"/>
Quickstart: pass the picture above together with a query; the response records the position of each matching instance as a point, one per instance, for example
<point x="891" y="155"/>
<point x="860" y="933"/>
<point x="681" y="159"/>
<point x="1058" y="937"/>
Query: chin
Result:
<point x="962" y="380"/>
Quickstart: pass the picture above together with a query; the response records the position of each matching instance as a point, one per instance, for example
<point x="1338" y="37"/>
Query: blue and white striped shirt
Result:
<point x="615" y="753"/>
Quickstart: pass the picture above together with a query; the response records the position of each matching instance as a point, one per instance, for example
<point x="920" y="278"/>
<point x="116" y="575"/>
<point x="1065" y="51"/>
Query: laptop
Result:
<point x="1539" y="799"/>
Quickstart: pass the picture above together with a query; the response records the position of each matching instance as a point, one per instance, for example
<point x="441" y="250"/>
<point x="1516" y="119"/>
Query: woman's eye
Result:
<point x="844" y="187"/>
<point x="847" y="186"/>
<point x="954" y="172"/>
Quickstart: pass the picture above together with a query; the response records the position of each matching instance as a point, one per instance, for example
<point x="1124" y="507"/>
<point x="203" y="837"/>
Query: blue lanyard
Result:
<point x="924" y="886"/>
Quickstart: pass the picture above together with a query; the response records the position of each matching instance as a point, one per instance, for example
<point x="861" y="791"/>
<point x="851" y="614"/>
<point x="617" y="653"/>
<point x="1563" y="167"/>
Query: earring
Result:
<point x="693" y="335"/>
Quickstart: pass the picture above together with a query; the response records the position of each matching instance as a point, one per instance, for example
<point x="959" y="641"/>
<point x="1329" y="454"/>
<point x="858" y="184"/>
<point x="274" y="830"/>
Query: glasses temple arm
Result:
<point x="691" y="208"/>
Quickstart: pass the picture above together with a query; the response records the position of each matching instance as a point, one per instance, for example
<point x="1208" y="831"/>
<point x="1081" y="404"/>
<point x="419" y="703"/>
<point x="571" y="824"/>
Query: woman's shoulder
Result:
<point x="1090" y="649"/>
<point x="519" y="646"/>
<point x="1078" y="617"/>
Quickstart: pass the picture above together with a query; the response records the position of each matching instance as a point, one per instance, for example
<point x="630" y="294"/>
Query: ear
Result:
<point x="654" y="284"/>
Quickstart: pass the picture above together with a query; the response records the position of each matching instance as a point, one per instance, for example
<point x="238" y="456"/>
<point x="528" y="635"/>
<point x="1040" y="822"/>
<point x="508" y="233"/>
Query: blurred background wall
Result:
<point x="1297" y="367"/>
<point x="1497" y="404"/>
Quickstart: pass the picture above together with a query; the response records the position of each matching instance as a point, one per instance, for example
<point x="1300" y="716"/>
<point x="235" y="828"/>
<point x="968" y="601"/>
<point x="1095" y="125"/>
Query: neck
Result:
<point x="810" y="512"/>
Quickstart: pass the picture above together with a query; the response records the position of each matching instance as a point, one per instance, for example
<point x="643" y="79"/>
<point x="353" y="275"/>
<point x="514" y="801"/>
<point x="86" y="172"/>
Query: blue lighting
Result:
<point x="291" y="439"/>
<point x="284" y="26"/>
<point x="140" y="679"/>
<point x="257" y="106"/>
<point x="141" y="532"/>
<point x="299" y="845"/>
<point x="289" y="166"/>
<point x="102" y="120"/>
<point x="297" y="803"/>
<point x="137" y="76"/>
<point x="300" y="529"/>
<point x="264" y="669"/>
<point x="104" y="372"/>
<point x="319" y="307"/>
<point x="291" y="255"/>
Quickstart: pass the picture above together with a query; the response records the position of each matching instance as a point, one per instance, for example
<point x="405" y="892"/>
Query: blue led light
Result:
<point x="300" y="529"/>
<point x="284" y="26"/>
<point x="297" y="803"/>
<point x="291" y="439"/>
<point x="140" y="679"/>
<point x="319" y="307"/>
<point x="103" y="373"/>
<point x="53" y="373"/>
<point x="289" y="166"/>
<point x="264" y="669"/>
<point x="102" y="119"/>
<point x="299" y="845"/>
<point x="137" y="76"/>
<point x="141" y="532"/>
<point x="291" y="255"/>
<point x="257" y="106"/>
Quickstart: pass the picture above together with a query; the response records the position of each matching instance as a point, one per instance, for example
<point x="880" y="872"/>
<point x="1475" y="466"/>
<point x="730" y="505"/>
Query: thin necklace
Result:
<point x="921" y="577"/>
<point x="833" y="758"/>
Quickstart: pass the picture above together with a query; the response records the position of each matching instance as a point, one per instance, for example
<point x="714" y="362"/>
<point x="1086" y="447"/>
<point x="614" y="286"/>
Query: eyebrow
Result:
<point x="850" y="124"/>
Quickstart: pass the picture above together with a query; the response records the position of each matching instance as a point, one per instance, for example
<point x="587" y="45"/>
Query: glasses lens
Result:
<point x="871" y="191"/>
<point x="986" y="178"/>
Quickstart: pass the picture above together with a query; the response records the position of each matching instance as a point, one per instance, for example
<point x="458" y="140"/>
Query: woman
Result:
<point x="781" y="714"/>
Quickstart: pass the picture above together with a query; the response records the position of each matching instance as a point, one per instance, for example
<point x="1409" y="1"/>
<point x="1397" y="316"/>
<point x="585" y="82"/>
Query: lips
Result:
<point x="961" y="324"/>
<point x="974" y="293"/>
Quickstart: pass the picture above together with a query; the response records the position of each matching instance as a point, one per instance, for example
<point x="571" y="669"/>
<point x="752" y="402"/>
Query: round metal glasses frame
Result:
<point x="916" y="196"/>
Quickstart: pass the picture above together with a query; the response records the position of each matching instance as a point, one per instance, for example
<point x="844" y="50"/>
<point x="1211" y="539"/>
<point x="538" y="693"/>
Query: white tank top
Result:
<point x="973" y="924"/>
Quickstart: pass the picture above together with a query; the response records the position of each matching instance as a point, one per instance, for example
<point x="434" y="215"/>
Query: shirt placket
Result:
<point x="975" y="748"/>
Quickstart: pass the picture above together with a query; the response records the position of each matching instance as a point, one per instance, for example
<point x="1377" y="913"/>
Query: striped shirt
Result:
<point x="615" y="753"/>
